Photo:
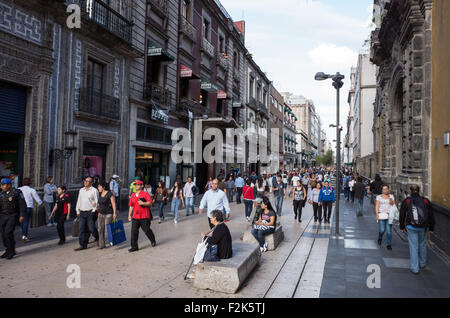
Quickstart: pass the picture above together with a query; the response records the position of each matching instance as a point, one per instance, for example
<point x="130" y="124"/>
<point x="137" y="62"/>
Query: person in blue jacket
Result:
<point x="327" y="200"/>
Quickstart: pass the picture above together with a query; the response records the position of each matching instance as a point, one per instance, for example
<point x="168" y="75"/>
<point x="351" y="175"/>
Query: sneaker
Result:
<point x="389" y="247"/>
<point x="265" y="247"/>
<point x="415" y="273"/>
<point x="175" y="221"/>
<point x="159" y="222"/>
<point x="261" y="249"/>
<point x="190" y="276"/>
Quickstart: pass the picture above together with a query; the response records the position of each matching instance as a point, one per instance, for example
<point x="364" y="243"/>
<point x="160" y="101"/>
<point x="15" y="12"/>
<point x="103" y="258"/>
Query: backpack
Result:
<point x="418" y="211"/>
<point x="195" y="190"/>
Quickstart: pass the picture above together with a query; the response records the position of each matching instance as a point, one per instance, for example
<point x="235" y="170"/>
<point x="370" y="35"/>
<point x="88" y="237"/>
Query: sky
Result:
<point x="292" y="40"/>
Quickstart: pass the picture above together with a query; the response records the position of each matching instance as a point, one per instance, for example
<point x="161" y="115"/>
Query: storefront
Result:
<point x="151" y="166"/>
<point x="94" y="161"/>
<point x="12" y="130"/>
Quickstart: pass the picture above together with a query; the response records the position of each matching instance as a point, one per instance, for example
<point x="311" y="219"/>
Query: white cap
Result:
<point x="115" y="176"/>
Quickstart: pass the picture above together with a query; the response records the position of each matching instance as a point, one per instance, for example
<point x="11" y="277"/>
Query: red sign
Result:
<point x="185" y="71"/>
<point x="221" y="94"/>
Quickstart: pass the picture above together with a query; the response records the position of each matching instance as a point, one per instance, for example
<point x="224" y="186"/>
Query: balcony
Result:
<point x="96" y="105"/>
<point x="262" y="109"/>
<point x="222" y="61"/>
<point x="236" y="76"/>
<point x="161" y="96"/>
<point x="161" y="6"/>
<point x="207" y="48"/>
<point x="252" y="102"/>
<point x="106" y="17"/>
<point x="188" y="30"/>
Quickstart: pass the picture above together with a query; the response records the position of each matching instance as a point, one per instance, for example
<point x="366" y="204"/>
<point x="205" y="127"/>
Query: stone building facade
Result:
<point x="401" y="48"/>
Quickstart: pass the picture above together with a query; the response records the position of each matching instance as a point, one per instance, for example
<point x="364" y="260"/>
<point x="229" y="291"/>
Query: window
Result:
<point x="222" y="44"/>
<point x="186" y="9"/>
<point x="184" y="88"/>
<point x="252" y="84"/>
<point x="206" y="29"/>
<point x="95" y="76"/>
<point x="154" y="134"/>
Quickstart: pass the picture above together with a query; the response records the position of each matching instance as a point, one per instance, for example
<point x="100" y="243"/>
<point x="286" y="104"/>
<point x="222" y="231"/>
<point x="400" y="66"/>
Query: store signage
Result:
<point x="160" y="115"/>
<point x="154" y="51"/>
<point x="185" y="71"/>
<point x="208" y="87"/>
<point x="221" y="94"/>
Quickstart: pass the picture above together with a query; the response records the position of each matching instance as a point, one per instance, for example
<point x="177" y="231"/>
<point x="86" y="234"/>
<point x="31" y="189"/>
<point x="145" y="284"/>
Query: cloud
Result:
<point x="330" y="56"/>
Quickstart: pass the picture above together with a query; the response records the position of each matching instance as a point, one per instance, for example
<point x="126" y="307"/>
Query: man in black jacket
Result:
<point x="220" y="236"/>
<point x="417" y="219"/>
<point x="12" y="205"/>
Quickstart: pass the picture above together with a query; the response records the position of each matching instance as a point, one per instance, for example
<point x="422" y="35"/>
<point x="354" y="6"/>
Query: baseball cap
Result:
<point x="139" y="182"/>
<point x="6" y="181"/>
<point x="115" y="176"/>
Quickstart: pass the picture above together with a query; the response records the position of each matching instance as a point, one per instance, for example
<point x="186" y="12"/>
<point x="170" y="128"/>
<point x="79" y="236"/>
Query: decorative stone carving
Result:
<point x="20" y="23"/>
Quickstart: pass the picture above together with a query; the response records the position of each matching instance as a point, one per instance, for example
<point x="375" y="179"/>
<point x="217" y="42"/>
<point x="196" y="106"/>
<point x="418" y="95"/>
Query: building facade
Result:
<point x="290" y="139"/>
<point x="277" y="121"/>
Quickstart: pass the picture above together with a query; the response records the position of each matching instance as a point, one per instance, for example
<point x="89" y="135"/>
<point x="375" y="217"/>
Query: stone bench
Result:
<point x="229" y="274"/>
<point x="272" y="240"/>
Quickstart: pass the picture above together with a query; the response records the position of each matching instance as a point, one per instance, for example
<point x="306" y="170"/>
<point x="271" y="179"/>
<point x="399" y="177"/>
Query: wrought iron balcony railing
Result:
<point x="207" y="47"/>
<point x="96" y="103"/>
<point x="188" y="29"/>
<point x="108" y="18"/>
<point x="252" y="102"/>
<point x="159" y="95"/>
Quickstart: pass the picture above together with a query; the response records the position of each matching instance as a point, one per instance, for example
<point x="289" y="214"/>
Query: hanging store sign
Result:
<point x="185" y="71"/>
<point x="160" y="115"/>
<point x="221" y="94"/>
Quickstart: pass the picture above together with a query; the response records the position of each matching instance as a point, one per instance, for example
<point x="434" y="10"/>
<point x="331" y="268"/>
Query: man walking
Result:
<point x="230" y="189"/>
<point x="214" y="199"/>
<point x="239" y="183"/>
<point x="327" y="200"/>
<point x="12" y="204"/>
<point x="188" y="194"/>
<point x="358" y="189"/>
<point x="279" y="191"/>
<point x="417" y="219"/>
<point x="114" y="187"/>
<point x="30" y="196"/>
<point x="140" y="216"/>
<point x="86" y="208"/>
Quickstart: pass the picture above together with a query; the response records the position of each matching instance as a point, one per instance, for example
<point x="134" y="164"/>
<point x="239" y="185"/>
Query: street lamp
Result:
<point x="337" y="84"/>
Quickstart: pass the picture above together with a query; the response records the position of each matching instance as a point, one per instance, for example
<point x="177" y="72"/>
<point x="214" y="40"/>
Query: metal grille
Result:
<point x="159" y="95"/>
<point x="96" y="103"/>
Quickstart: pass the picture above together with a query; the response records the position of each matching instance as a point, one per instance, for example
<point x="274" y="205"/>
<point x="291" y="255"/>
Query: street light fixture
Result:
<point x="337" y="84"/>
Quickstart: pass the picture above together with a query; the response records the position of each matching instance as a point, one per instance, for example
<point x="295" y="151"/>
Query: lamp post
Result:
<point x="337" y="84"/>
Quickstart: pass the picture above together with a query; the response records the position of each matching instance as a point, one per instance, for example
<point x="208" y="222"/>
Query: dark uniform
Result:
<point x="12" y="204"/>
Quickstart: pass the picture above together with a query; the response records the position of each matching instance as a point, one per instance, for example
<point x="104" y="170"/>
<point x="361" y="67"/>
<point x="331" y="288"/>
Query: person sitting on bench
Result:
<point x="219" y="236"/>
<point x="266" y="223"/>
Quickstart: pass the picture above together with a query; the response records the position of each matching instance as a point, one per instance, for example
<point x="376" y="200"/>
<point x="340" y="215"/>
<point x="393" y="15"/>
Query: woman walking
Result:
<point x="383" y="208"/>
<point x="177" y="198"/>
<point x="49" y="202"/>
<point x="161" y="199"/>
<point x="299" y="195"/>
<point x="266" y="223"/>
<point x="208" y="185"/>
<point x="260" y="189"/>
<point x="249" y="196"/>
<point x="107" y="211"/>
<point x="62" y="210"/>
<point x="314" y="200"/>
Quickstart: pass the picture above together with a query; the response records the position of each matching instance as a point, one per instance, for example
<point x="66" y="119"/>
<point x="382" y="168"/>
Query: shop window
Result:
<point x="153" y="134"/>
<point x="184" y="88"/>
<point x="204" y="98"/>
<point x="206" y="29"/>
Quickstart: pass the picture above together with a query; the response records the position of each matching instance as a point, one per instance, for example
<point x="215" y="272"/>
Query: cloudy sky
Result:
<point x="291" y="40"/>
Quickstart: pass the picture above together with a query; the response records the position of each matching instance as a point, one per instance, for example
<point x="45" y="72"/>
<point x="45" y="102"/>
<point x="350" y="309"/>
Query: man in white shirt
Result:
<point x="114" y="188"/>
<point x="215" y="199"/>
<point x="189" y="195"/>
<point x="295" y="178"/>
<point x="30" y="196"/>
<point x="86" y="207"/>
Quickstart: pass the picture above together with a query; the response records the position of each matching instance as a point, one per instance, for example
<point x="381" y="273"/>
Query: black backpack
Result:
<point x="418" y="211"/>
<point x="195" y="190"/>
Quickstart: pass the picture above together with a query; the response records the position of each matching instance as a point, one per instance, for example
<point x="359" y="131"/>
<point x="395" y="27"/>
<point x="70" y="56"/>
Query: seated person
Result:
<point x="266" y="223"/>
<point x="220" y="236"/>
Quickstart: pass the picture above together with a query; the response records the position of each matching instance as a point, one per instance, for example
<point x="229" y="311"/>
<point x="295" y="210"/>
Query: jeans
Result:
<point x="230" y="194"/>
<point x="317" y="211"/>
<point x="26" y="221"/>
<point x="86" y="221"/>
<point x="103" y="221"/>
<point x="175" y="205"/>
<point x="259" y="194"/>
<point x="352" y="196"/>
<point x="279" y="204"/>
<point x="259" y="235"/>
<point x="160" y="205"/>
<point x="347" y="193"/>
<point x="248" y="207"/>
<point x="48" y="210"/>
<point x="298" y="206"/>
<point x="327" y="208"/>
<point x="145" y="225"/>
<point x="417" y="238"/>
<point x="189" y="205"/>
<point x="384" y="226"/>
<point x="60" y="220"/>
<point x="359" y="206"/>
<point x="238" y="195"/>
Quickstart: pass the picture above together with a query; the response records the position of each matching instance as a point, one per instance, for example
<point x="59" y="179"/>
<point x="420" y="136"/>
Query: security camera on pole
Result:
<point x="337" y="84"/>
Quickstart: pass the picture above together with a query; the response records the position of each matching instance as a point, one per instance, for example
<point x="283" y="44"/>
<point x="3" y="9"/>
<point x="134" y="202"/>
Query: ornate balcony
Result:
<point x="253" y="103"/>
<point x="108" y="18"/>
<point x="223" y="61"/>
<point x="161" y="96"/>
<point x="207" y="47"/>
<point x="261" y="108"/>
<point x="188" y="29"/>
<point x="161" y="6"/>
<point x="97" y="105"/>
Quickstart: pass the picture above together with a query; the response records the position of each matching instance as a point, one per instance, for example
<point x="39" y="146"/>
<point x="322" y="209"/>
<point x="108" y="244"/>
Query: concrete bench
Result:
<point x="229" y="274"/>
<point x="272" y="240"/>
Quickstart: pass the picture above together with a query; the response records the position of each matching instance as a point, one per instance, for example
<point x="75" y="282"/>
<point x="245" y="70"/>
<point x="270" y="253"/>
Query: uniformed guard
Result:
<point x="12" y="204"/>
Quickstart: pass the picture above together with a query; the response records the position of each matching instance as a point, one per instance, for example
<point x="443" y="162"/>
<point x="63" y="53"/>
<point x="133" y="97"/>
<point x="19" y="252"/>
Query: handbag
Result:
<point x="261" y="227"/>
<point x="394" y="214"/>
<point x="201" y="250"/>
<point x="116" y="232"/>
<point x="211" y="254"/>
<point x="383" y="216"/>
<point x="75" y="227"/>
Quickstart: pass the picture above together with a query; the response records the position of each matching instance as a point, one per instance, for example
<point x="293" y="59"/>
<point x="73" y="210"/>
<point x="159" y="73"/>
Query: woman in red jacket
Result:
<point x="249" y="196"/>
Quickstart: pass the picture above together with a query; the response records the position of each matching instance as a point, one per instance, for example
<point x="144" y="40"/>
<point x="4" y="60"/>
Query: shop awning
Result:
<point x="156" y="52"/>
<point x="187" y="72"/>
<point x="222" y="95"/>
<point x="209" y="87"/>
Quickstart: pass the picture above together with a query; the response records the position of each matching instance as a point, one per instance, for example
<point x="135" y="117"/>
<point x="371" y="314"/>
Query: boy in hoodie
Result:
<point x="327" y="200"/>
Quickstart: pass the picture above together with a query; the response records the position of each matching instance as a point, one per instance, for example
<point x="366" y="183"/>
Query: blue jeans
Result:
<point x="347" y="193"/>
<point x="175" y="206"/>
<point x="279" y="204"/>
<point x="384" y="226"/>
<point x="48" y="210"/>
<point x="26" y="221"/>
<point x="189" y="205"/>
<point x="86" y="221"/>
<point x="248" y="207"/>
<point x="417" y="238"/>
<point x="259" y="235"/>
<point x="161" y="208"/>
<point x="359" y="206"/>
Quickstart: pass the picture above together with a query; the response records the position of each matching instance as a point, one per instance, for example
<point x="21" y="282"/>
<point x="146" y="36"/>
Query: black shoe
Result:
<point x="100" y="248"/>
<point x="153" y="243"/>
<point x="61" y="242"/>
<point x="389" y="247"/>
<point x="4" y="255"/>
<point x="80" y="248"/>
<point x="131" y="250"/>
<point x="10" y="256"/>
<point x="379" y="241"/>
<point x="299" y="221"/>
<point x="415" y="273"/>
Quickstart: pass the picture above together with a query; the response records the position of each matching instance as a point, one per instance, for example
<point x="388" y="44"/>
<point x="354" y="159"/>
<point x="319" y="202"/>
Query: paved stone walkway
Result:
<point x="347" y="262"/>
